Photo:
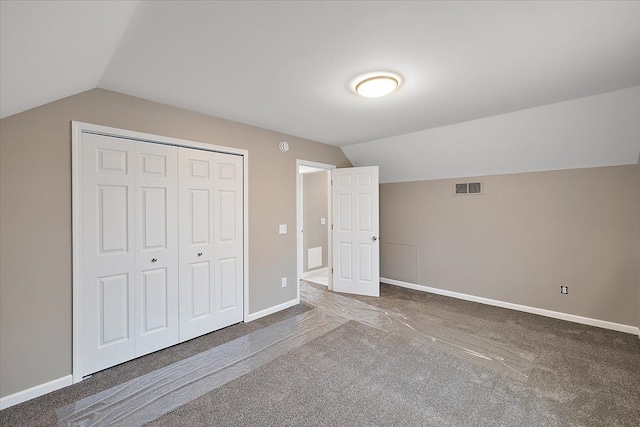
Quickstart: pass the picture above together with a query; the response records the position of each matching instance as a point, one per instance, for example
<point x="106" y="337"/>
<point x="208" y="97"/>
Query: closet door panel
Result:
<point x="156" y="228"/>
<point x="106" y="290"/>
<point x="228" y="238"/>
<point x="197" y="297"/>
<point x="200" y="283"/>
<point x="155" y="301"/>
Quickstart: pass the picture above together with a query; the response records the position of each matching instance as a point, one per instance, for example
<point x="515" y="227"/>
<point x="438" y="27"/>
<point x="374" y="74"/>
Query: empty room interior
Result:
<point x="330" y="213"/>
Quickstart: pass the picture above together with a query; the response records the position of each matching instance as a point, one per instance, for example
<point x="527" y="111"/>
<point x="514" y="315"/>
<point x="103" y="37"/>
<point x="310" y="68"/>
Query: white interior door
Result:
<point x="106" y="291"/>
<point x="228" y="239"/>
<point x="211" y="241"/>
<point x="156" y="232"/>
<point x="196" y="242"/>
<point x="356" y="248"/>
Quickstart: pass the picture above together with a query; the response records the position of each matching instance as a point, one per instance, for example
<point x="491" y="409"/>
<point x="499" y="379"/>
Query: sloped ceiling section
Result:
<point x="53" y="49"/>
<point x="600" y="130"/>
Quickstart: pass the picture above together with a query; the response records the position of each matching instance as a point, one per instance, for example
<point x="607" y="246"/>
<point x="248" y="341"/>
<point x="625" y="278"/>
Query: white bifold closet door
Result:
<point x="130" y="258"/>
<point x="162" y="247"/>
<point x="156" y="244"/>
<point x="211" y="241"/>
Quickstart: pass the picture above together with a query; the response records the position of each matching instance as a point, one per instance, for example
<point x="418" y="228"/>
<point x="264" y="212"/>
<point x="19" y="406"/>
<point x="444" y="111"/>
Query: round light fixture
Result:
<point x="374" y="85"/>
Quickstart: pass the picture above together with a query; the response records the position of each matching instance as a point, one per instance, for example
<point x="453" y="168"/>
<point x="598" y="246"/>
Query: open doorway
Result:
<point x="314" y="222"/>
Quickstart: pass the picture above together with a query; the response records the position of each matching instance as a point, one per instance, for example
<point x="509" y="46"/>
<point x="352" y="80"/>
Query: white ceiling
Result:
<point x="53" y="49"/>
<point x="287" y="66"/>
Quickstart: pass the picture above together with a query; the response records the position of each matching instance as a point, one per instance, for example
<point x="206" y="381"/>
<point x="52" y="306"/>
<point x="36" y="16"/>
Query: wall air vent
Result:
<point x="461" y="188"/>
<point x="466" y="188"/>
<point x="475" y="188"/>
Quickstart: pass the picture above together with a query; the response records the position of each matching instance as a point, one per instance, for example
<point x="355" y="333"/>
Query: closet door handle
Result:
<point x="199" y="253"/>
<point x="154" y="259"/>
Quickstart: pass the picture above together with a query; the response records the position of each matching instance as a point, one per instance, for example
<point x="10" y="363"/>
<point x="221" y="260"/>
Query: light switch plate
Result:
<point x="323" y="221"/>
<point x="284" y="282"/>
<point x="283" y="228"/>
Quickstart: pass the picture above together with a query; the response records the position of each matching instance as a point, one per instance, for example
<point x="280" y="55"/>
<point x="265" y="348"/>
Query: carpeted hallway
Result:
<point x="365" y="372"/>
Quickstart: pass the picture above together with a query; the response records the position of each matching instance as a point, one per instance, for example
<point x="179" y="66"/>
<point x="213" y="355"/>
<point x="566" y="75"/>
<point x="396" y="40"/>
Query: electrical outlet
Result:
<point x="284" y="282"/>
<point x="564" y="290"/>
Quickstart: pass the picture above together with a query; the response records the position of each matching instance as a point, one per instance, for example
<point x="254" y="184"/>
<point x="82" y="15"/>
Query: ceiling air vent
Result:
<point x="466" y="188"/>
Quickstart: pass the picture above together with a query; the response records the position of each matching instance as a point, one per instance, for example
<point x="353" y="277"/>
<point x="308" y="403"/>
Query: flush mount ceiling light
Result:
<point x="374" y="85"/>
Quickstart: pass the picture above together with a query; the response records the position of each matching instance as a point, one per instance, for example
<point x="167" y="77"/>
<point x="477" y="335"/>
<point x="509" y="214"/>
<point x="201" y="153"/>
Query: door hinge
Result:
<point x="332" y="271"/>
<point x="332" y="226"/>
<point x="331" y="182"/>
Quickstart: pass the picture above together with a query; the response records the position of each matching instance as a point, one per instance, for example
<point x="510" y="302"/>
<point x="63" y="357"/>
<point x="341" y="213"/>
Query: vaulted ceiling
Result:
<point x="287" y="66"/>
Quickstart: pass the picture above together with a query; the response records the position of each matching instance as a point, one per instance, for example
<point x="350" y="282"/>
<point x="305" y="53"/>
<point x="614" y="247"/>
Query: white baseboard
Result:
<point x="314" y="272"/>
<point x="533" y="310"/>
<point x="271" y="310"/>
<point x="33" y="392"/>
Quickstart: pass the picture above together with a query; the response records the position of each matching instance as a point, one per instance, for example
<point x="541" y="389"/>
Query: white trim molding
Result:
<point x="37" y="391"/>
<point x="527" y="309"/>
<point x="299" y="239"/>
<point x="271" y="310"/>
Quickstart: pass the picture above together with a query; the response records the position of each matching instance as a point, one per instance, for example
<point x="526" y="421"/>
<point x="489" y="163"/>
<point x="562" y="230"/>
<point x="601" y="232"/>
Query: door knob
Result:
<point x="199" y="253"/>
<point x="374" y="238"/>
<point x="154" y="259"/>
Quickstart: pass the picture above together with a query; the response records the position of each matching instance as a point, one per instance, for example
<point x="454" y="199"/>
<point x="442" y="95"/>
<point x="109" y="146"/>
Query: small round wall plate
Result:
<point x="284" y="146"/>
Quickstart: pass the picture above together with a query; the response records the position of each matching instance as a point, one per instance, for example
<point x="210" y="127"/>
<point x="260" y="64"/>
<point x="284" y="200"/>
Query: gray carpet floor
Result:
<point x="358" y="375"/>
<point x="374" y="379"/>
<point x="42" y="410"/>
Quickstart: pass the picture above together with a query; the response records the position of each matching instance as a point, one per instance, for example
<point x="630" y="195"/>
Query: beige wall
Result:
<point x="315" y="206"/>
<point x="527" y="235"/>
<point x="35" y="217"/>
<point x="638" y="184"/>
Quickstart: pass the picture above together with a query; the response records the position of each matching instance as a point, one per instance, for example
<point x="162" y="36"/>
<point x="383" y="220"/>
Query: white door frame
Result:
<point x="77" y="128"/>
<point x="299" y="220"/>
